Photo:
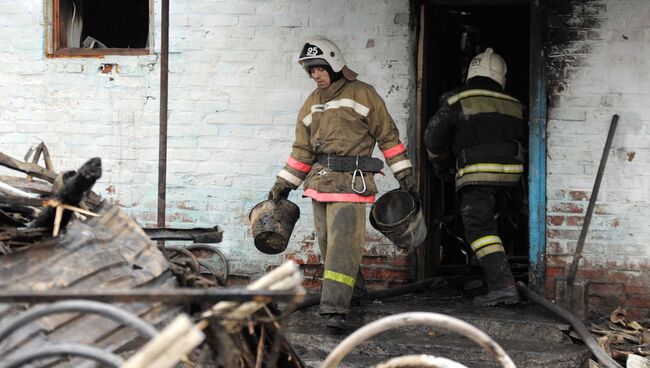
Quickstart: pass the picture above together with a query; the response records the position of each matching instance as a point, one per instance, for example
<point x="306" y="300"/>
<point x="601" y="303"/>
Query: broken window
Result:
<point x="99" y="27"/>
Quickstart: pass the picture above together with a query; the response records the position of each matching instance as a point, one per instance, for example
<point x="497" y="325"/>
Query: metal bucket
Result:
<point x="272" y="224"/>
<point x="398" y="215"/>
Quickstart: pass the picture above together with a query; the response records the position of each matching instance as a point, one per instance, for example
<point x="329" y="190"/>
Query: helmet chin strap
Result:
<point x="334" y="76"/>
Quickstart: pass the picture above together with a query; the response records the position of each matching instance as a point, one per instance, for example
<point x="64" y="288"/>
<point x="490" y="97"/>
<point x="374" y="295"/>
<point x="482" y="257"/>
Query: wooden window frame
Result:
<point x="53" y="36"/>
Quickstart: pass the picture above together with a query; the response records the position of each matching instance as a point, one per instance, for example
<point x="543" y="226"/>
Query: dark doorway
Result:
<point x="454" y="32"/>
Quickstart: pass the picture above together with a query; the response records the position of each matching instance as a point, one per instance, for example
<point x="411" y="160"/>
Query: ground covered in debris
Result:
<point x="531" y="337"/>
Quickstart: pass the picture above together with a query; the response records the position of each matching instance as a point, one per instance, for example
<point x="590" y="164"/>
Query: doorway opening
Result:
<point x="454" y="32"/>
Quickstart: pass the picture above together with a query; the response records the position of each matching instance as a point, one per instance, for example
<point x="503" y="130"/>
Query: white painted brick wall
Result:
<point x="234" y="92"/>
<point x="612" y="78"/>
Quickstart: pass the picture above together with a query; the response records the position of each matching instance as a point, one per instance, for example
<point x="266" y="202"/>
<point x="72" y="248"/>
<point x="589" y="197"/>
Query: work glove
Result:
<point x="280" y="190"/>
<point x="407" y="183"/>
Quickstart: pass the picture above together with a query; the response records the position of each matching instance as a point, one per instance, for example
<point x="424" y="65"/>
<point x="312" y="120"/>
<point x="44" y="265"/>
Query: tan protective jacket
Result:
<point x="346" y="119"/>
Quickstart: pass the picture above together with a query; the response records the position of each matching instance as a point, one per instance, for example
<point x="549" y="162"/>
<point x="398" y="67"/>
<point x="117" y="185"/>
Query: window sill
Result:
<point x="99" y="53"/>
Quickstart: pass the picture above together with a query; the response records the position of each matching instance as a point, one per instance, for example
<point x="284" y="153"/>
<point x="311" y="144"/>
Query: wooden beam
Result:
<point x="27" y="167"/>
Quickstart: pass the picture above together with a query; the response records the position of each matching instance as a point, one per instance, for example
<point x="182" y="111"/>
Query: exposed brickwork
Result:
<point x="596" y="68"/>
<point x="379" y="271"/>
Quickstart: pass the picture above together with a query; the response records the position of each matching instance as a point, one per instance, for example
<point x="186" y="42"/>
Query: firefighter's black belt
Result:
<point x="481" y="152"/>
<point x="350" y="163"/>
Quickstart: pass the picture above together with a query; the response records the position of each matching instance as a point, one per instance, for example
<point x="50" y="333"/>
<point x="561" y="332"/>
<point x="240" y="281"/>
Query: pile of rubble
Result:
<point x="622" y="338"/>
<point x="82" y="283"/>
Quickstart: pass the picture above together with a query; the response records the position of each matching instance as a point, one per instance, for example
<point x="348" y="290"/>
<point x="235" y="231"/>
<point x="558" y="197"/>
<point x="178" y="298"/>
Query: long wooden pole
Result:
<point x="592" y="202"/>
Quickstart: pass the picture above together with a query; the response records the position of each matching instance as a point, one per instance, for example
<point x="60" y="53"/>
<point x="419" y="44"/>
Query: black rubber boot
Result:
<point x="501" y="284"/>
<point x="335" y="322"/>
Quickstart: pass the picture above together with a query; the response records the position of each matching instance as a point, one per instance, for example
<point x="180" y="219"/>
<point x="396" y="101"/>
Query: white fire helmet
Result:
<point x="488" y="64"/>
<point x="321" y="51"/>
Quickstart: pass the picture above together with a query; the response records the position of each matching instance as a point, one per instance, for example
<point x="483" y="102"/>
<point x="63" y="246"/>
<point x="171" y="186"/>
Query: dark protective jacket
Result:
<point x="480" y="130"/>
<point x="347" y="119"/>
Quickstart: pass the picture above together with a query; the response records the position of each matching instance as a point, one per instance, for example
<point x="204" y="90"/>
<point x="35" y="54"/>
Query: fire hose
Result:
<point x="417" y="318"/>
<point x="85" y="306"/>
<point x="90" y="352"/>
<point x="425" y="361"/>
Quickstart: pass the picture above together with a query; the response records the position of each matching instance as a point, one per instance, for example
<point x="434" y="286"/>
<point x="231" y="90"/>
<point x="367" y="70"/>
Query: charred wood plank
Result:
<point x="35" y="186"/>
<point x="27" y="167"/>
<point x="41" y="149"/>
<point x="22" y="233"/>
<point x="88" y="249"/>
<point x="21" y="201"/>
<point x="7" y="219"/>
<point x="105" y="252"/>
<point x="72" y="192"/>
<point x="17" y="238"/>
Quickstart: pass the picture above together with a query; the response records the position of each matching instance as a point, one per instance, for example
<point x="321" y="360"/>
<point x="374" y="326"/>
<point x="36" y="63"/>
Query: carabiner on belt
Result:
<point x="354" y="176"/>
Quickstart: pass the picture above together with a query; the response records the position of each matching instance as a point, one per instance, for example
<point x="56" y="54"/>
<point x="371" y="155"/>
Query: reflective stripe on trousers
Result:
<point x="340" y="231"/>
<point x="487" y="245"/>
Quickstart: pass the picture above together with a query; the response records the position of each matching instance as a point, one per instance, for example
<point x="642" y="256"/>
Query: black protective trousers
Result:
<point x="478" y="210"/>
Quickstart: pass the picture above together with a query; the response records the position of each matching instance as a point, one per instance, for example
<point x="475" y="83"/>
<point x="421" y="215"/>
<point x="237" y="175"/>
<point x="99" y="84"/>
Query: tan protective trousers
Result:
<point x="340" y="229"/>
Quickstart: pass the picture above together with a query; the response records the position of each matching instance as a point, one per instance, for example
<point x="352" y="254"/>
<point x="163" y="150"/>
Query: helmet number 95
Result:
<point x="313" y="50"/>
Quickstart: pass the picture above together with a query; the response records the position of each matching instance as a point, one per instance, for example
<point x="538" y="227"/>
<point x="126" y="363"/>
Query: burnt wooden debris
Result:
<point x="108" y="257"/>
<point x="73" y="187"/>
<point x="30" y="168"/>
<point x="620" y="336"/>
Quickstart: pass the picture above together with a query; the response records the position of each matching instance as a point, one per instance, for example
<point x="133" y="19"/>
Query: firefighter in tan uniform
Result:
<point x="336" y="132"/>
<point x="477" y="133"/>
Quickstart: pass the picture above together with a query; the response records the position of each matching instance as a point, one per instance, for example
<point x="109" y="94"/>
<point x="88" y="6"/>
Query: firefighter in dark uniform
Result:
<point x="476" y="134"/>
<point x="337" y="129"/>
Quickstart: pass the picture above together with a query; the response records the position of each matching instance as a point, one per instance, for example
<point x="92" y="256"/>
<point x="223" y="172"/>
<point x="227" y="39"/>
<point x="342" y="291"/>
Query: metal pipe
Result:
<point x="571" y="319"/>
<point x="592" y="202"/>
<point x="83" y="306"/>
<point x="427" y="361"/>
<point x="106" y="358"/>
<point x="162" y="135"/>
<point x="417" y="318"/>
<point x="149" y="295"/>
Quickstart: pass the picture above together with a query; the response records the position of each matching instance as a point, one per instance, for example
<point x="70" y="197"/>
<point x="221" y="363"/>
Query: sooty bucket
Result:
<point x="272" y="224"/>
<point x="397" y="215"/>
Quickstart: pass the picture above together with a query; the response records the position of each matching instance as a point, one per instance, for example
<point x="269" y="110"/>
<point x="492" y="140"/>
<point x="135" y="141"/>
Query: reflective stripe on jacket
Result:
<point x="483" y="129"/>
<point x="346" y="119"/>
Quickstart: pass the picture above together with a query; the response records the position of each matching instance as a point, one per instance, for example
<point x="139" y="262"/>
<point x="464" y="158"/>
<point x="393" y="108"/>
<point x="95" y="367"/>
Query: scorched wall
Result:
<point x="598" y="65"/>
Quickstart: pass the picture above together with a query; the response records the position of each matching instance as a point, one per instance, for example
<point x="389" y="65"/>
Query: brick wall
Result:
<point x="598" y="65"/>
<point x="234" y="92"/>
<point x="381" y="267"/>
